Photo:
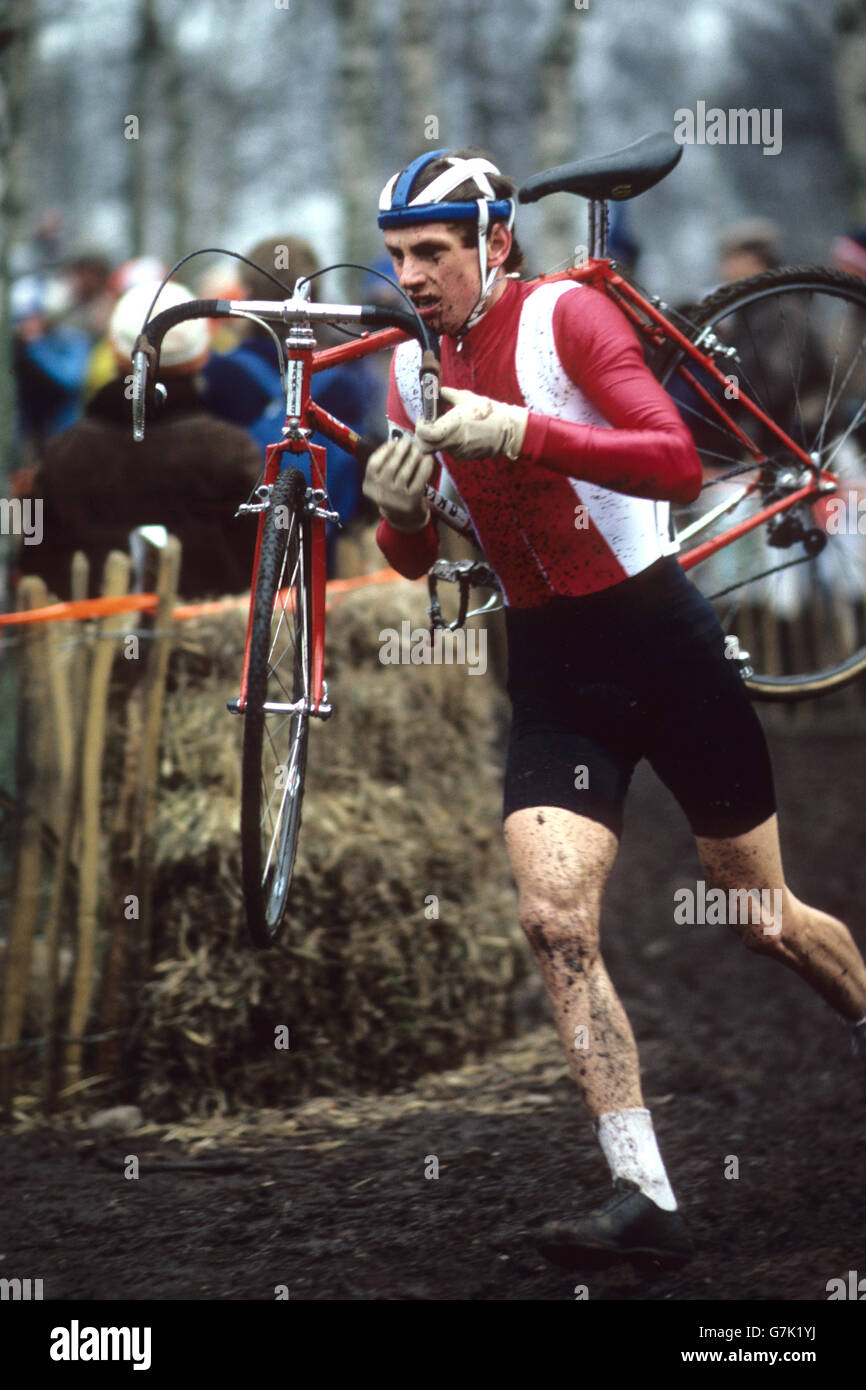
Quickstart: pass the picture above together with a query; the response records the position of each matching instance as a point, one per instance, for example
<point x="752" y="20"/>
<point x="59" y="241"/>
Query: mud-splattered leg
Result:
<point x="818" y="947"/>
<point x="560" y="862"/>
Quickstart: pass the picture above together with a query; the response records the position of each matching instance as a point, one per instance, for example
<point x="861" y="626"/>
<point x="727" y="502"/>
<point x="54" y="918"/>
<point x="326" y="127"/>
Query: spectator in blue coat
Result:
<point x="50" y="360"/>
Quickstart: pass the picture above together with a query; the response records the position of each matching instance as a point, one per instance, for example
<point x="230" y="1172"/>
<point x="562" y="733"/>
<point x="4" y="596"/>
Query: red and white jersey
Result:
<point x="587" y="503"/>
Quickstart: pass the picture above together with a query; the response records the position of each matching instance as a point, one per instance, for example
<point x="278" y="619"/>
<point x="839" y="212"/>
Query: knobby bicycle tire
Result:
<point x="275" y="742"/>
<point x="820" y="311"/>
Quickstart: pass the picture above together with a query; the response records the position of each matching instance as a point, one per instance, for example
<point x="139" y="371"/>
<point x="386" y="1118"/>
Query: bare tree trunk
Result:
<point x="15" y="44"/>
<point x="354" y="129"/>
<point x="417" y="61"/>
<point x="180" y="136"/>
<point x="850" y="92"/>
<point x="556" y="135"/>
<point x="144" y="55"/>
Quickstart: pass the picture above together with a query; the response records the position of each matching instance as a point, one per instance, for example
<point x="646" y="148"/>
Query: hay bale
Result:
<point x="402" y="805"/>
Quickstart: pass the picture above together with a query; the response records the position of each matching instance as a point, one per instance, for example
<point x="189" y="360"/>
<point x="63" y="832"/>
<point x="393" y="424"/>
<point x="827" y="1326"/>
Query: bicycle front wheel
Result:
<point x="276" y="715"/>
<point x="792" y="590"/>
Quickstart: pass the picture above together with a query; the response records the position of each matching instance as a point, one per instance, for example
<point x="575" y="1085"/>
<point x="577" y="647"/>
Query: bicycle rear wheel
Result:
<point x="276" y="716"/>
<point x="792" y="590"/>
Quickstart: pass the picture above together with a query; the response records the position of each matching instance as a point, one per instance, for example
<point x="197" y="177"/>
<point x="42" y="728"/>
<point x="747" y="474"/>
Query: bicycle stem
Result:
<point x="293" y="311"/>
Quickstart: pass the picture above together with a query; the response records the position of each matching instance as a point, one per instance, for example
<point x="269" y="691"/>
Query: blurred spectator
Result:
<point x="849" y="252"/>
<point x="375" y="290"/>
<point x="241" y="384"/>
<point x="222" y="282"/>
<point x="137" y="271"/>
<point x="189" y="474"/>
<point x="102" y="364"/>
<point x="244" y="385"/>
<point x="43" y="250"/>
<point x="748" y="247"/>
<point x="50" y="359"/>
<point x="91" y="297"/>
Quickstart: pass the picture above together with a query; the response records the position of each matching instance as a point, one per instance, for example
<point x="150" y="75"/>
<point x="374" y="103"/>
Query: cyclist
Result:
<point x="566" y="452"/>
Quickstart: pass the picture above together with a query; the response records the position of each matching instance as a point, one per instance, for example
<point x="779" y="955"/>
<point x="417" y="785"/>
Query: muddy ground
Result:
<point x="739" y="1059"/>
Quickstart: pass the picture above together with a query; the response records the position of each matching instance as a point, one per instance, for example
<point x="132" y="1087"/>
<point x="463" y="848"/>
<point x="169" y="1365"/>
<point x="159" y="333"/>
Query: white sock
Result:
<point x="629" y="1144"/>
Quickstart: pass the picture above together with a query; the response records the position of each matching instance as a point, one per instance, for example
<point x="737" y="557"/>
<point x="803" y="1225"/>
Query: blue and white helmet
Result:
<point x="397" y="209"/>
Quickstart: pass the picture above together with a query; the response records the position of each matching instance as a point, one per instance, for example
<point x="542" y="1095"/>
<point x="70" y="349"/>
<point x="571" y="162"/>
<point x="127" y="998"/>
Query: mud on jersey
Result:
<point x="587" y="503"/>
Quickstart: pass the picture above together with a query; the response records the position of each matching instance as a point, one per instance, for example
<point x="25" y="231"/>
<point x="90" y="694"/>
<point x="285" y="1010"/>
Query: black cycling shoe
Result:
<point x="629" y="1225"/>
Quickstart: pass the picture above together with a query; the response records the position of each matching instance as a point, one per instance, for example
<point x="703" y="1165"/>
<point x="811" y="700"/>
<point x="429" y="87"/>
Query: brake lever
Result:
<point x="139" y="387"/>
<point x="144" y="357"/>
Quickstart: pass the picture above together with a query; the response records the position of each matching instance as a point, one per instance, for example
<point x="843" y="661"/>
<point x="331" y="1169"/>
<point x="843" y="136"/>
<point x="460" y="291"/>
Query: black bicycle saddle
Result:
<point x="620" y="175"/>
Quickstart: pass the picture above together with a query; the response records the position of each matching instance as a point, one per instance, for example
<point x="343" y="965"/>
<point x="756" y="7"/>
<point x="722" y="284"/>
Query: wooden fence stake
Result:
<point x="115" y="582"/>
<point x="76" y="685"/>
<point x="132" y="854"/>
<point x="153" y="693"/>
<point x="32" y="785"/>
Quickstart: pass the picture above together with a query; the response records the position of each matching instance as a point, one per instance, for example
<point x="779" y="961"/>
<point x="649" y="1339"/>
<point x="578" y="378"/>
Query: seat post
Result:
<point x="597" y="227"/>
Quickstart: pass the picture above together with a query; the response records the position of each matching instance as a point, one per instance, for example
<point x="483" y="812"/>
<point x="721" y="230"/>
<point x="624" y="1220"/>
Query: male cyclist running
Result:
<point x="567" y="452"/>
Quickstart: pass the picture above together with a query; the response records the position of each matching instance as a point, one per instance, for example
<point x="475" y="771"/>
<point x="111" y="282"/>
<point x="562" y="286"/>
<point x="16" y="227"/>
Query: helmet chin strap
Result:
<point x="488" y="278"/>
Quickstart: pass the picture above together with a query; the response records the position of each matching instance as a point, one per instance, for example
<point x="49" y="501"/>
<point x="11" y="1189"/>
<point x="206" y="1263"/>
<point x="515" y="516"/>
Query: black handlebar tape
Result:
<point x="158" y="326"/>
<point x="377" y="316"/>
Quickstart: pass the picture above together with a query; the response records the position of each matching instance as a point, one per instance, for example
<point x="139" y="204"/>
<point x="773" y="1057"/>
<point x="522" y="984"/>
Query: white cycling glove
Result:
<point x="396" y="475"/>
<point x="476" y="428"/>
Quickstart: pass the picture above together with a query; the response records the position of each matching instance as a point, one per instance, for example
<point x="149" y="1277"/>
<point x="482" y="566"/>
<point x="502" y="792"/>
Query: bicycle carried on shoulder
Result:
<point x="769" y="373"/>
<point x="766" y="372"/>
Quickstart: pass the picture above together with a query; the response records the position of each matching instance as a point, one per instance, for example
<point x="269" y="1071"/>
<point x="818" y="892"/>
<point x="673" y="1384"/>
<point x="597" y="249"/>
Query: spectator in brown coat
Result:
<point x="189" y="475"/>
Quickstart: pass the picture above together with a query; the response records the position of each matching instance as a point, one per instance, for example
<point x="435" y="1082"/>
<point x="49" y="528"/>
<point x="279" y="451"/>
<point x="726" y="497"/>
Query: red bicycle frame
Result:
<point x="300" y="362"/>
<point x="651" y="325"/>
<point x="629" y="300"/>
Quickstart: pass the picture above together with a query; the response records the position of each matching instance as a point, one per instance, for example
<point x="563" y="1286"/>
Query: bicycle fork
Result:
<point x="299" y="350"/>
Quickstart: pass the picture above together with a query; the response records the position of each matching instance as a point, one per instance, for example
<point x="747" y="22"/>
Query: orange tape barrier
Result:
<point x="338" y="588"/>
<point x="146" y="603"/>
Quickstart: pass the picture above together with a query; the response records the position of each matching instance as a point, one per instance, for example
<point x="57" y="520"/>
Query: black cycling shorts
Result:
<point x="638" y="670"/>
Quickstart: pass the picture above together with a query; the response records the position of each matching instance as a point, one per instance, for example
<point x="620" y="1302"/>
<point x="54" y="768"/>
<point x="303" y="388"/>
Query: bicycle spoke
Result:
<point x="818" y="441"/>
<point x="750" y="388"/>
<point x="847" y="378"/>
<point x="795" y="384"/>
